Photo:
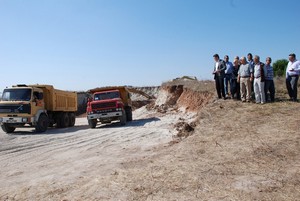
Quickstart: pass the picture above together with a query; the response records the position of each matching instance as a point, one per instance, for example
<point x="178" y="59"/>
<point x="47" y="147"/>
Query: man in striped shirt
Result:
<point x="269" y="82"/>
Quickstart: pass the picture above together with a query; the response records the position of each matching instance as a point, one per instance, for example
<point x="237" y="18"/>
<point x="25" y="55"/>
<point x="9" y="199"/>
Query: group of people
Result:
<point x="247" y="76"/>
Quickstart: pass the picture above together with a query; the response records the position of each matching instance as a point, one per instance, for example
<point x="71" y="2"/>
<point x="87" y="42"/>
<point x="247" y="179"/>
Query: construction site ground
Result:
<point x="185" y="145"/>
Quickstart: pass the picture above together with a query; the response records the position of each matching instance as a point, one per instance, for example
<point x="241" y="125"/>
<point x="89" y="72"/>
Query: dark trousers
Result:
<point x="219" y="80"/>
<point x="291" y="85"/>
<point x="235" y="89"/>
<point x="227" y="79"/>
<point x="270" y="87"/>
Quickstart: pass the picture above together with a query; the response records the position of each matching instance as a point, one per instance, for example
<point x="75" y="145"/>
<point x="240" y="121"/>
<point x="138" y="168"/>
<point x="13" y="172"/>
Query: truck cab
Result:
<point x="20" y="105"/>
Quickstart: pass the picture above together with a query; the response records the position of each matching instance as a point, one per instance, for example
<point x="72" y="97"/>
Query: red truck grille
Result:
<point x="103" y="105"/>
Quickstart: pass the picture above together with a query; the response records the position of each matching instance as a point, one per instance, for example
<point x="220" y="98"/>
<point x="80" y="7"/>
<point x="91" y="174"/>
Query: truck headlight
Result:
<point x="24" y="120"/>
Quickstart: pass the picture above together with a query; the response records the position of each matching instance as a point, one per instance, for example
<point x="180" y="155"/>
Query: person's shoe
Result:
<point x="224" y="98"/>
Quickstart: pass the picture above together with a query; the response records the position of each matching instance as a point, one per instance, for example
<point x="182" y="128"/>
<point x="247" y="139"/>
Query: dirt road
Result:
<point x="70" y="163"/>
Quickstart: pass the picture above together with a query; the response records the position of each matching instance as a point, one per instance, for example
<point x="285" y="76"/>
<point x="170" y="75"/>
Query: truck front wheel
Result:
<point x="123" y="118"/>
<point x="42" y="123"/>
<point x="7" y="128"/>
<point x="92" y="123"/>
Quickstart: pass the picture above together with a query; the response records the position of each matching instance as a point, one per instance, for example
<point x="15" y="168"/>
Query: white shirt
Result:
<point x="293" y="68"/>
<point x="216" y="67"/>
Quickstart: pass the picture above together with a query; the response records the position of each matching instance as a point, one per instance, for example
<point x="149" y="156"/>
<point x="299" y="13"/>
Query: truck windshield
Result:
<point x="107" y="95"/>
<point x="16" y="95"/>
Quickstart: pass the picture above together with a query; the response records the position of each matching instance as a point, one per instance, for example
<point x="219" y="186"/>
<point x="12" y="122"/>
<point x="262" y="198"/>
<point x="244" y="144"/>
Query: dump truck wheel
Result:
<point x="128" y="114"/>
<point x="42" y="123"/>
<point x="72" y="119"/>
<point x="7" y="128"/>
<point x="92" y="123"/>
<point x="123" y="118"/>
<point x="63" y="120"/>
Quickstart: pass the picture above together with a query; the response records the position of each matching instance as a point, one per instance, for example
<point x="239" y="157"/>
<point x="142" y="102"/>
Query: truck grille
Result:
<point x="22" y="108"/>
<point x="105" y="110"/>
<point x="105" y="105"/>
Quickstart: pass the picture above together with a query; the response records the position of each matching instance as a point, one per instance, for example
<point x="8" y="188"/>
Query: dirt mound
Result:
<point x="180" y="96"/>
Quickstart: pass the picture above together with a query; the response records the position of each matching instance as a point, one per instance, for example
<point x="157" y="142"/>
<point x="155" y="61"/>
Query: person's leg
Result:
<point x="294" y="83"/>
<point x="248" y="88"/>
<point x="217" y="80"/>
<point x="222" y="86"/>
<point x="238" y="91"/>
<point x="267" y="88"/>
<point x="262" y="92"/>
<point x="256" y="90"/>
<point x="226" y="80"/>
<point x="272" y="91"/>
<point x="233" y="88"/>
<point x="243" y="89"/>
<point x="289" y="87"/>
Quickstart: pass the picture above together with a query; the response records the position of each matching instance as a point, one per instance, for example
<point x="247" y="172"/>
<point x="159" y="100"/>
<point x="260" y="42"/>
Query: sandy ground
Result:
<point x="238" y="151"/>
<point x="77" y="163"/>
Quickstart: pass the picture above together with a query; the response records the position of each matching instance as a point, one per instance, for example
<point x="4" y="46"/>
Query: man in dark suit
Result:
<point x="219" y="73"/>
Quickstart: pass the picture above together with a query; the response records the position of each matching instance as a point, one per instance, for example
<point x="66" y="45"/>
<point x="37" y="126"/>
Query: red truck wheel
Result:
<point x="92" y="123"/>
<point x="123" y="118"/>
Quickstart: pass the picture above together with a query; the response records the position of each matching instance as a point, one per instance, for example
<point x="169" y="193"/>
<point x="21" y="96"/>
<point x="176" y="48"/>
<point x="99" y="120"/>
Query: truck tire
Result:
<point x="128" y="111"/>
<point x="7" y="128"/>
<point x="72" y="118"/>
<point x="123" y="119"/>
<point x="63" y="120"/>
<point x="42" y="123"/>
<point x="92" y="123"/>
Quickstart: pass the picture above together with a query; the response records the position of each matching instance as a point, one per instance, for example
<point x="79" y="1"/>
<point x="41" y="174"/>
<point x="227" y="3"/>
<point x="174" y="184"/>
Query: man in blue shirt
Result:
<point x="228" y="73"/>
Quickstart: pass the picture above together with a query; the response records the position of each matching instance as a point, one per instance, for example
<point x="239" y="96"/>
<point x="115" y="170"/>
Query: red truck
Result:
<point x="109" y="104"/>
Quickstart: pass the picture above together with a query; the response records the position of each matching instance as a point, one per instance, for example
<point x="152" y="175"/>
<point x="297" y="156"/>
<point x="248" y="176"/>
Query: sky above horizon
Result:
<point x="83" y="44"/>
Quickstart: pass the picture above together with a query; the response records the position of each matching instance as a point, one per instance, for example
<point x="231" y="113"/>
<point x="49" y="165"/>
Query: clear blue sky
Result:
<point x="82" y="44"/>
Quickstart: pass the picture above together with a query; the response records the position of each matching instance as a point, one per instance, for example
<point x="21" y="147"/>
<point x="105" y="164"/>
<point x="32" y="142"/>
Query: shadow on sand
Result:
<point x="133" y="123"/>
<point x="55" y="131"/>
<point x="50" y="130"/>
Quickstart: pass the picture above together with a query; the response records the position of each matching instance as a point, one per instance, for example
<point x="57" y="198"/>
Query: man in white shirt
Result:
<point x="292" y="76"/>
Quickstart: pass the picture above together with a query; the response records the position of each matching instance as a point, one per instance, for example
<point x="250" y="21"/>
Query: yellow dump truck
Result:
<point x="39" y="106"/>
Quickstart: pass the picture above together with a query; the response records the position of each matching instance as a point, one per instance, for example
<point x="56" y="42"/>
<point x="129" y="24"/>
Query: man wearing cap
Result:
<point x="219" y="73"/>
<point x="292" y="76"/>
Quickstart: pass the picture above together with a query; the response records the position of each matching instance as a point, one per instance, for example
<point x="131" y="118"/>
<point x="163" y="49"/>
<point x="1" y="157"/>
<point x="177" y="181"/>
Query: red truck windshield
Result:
<point x="107" y="95"/>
